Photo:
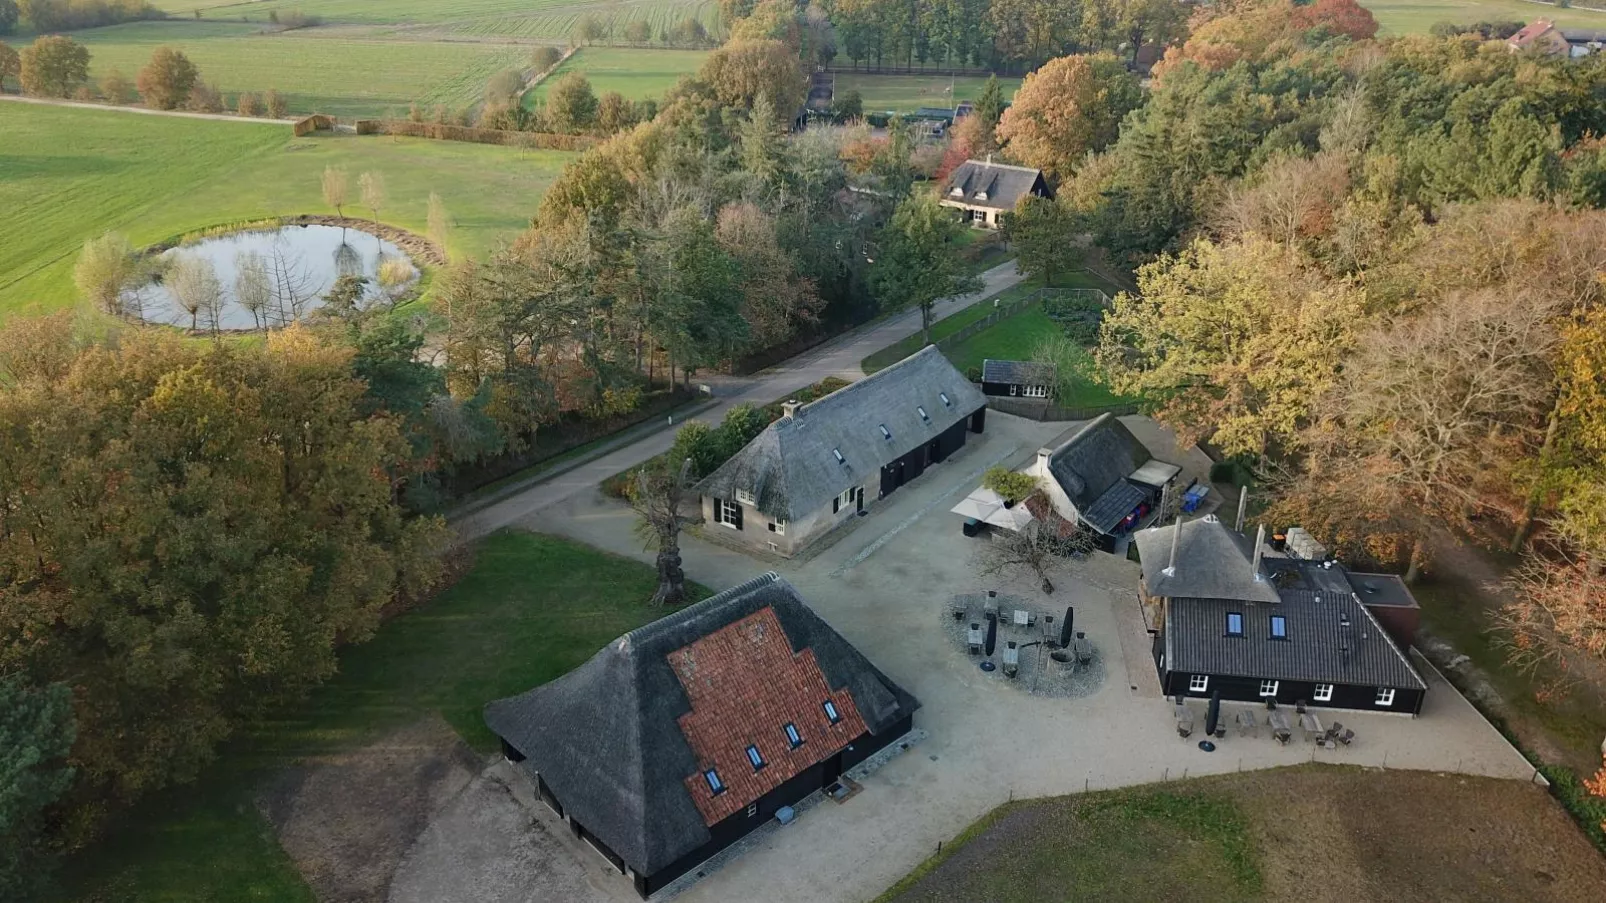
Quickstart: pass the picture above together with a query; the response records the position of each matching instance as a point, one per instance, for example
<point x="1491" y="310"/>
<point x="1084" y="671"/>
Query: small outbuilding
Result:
<point x="983" y="190"/>
<point x="1103" y="478"/>
<point x="680" y="737"/>
<point x="1017" y="379"/>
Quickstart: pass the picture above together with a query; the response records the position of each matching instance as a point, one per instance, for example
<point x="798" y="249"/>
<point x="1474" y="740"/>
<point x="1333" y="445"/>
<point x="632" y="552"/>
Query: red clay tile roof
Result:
<point x="1530" y="32"/>
<point x="745" y="684"/>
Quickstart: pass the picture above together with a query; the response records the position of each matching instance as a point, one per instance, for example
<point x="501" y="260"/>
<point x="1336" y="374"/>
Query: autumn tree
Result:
<point x="919" y="263"/>
<point x="187" y="532"/>
<point x="106" y="268"/>
<point x="439" y="223"/>
<point x="614" y="113"/>
<point x="739" y="73"/>
<point x="37" y="730"/>
<point x="544" y="57"/>
<point x="52" y="66"/>
<point x="571" y="105"/>
<point x="776" y="299"/>
<point x="248" y="104"/>
<point x="194" y="285"/>
<point x="1241" y="339"/>
<point x="274" y="104"/>
<point x="9" y="14"/>
<point x="504" y="88"/>
<point x="1069" y="107"/>
<point x="10" y="63"/>
<point x="166" y="80"/>
<point x="115" y="87"/>
<point x="638" y="31"/>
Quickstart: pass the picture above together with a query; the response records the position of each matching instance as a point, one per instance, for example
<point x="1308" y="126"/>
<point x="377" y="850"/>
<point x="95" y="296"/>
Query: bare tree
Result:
<point x="440" y="223"/>
<point x="372" y="185"/>
<point x="292" y="288"/>
<point x="395" y="278"/>
<point x="1036" y="547"/>
<point x="335" y="186"/>
<point x="252" y="289"/>
<point x="195" y="287"/>
<point x="658" y="499"/>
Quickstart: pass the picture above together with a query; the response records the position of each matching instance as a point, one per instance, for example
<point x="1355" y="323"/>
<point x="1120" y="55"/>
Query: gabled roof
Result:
<point x="1528" y="33"/>
<point x="1331" y="638"/>
<point x="608" y="739"/>
<point x="1092" y="468"/>
<point x="1213" y="562"/>
<point x="1026" y="373"/>
<point x="791" y="469"/>
<point x="998" y="186"/>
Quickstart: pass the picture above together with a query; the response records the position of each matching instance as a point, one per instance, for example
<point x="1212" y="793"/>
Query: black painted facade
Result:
<point x="1289" y="692"/>
<point x="914" y="463"/>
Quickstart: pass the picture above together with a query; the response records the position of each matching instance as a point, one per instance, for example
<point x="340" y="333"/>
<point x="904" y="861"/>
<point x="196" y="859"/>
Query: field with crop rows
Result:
<point x="552" y="20"/>
<point x="72" y="174"/>
<point x="342" y="77"/>
<point x="637" y="74"/>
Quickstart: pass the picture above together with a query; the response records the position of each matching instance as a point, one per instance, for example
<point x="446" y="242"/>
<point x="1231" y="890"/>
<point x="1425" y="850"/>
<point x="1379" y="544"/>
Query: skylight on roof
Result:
<point x="922" y="412"/>
<point x="1235" y="623"/>
<point x="792" y="736"/>
<point x="831" y="712"/>
<point x="946" y="402"/>
<point x="714" y="783"/>
<point x="886" y="433"/>
<point x="1279" y="627"/>
<point x="754" y="757"/>
<point x="838" y="453"/>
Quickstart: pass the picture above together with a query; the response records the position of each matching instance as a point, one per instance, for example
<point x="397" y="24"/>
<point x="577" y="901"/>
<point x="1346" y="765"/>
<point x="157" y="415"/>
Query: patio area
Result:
<point x="889" y="588"/>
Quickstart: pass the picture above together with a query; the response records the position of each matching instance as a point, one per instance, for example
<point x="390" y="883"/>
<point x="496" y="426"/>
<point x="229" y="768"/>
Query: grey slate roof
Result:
<point x="1003" y="185"/>
<point x="1320" y="648"/>
<point x="1092" y="467"/>
<point x="606" y="739"/>
<point x="790" y="468"/>
<point x="1214" y="561"/>
<point x="1026" y="373"/>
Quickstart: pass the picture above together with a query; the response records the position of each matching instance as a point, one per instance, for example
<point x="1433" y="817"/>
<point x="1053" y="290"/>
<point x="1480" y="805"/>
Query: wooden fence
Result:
<point x="1044" y="409"/>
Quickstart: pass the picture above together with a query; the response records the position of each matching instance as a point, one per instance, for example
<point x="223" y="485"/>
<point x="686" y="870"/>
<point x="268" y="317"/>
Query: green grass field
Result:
<point x="1417" y="16"/>
<point x="67" y="175"/>
<point x="908" y="92"/>
<point x="637" y="74"/>
<point x="541" y="19"/>
<point x="341" y="77"/>
<point x="532" y="608"/>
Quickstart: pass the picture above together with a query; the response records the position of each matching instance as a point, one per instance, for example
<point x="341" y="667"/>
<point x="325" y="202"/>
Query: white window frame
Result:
<point x="1324" y="693"/>
<point x="1385" y="696"/>
<point x="726" y="512"/>
<point x="1014" y="389"/>
<point x="745" y="498"/>
<point x="846" y="498"/>
<point x="1036" y="392"/>
<point x="1272" y="685"/>
<point x="778" y="527"/>
<point x="1198" y="683"/>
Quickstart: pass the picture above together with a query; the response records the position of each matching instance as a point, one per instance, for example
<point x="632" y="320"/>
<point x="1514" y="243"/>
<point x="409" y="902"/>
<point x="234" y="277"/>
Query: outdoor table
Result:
<point x="1279" y="725"/>
<point x="1184" y="720"/>
<point x="1311" y="725"/>
<point x="1022" y="617"/>
<point x="1247" y="724"/>
<point x="975" y="639"/>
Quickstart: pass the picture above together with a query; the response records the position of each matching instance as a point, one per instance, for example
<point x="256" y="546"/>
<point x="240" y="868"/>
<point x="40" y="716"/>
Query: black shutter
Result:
<point x="836" y="504"/>
<point x="738" y="508"/>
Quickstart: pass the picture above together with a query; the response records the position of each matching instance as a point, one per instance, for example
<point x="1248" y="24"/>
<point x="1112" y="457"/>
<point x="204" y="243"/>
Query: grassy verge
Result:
<point x="905" y="93"/>
<point x="531" y="609"/>
<point x="637" y="74"/>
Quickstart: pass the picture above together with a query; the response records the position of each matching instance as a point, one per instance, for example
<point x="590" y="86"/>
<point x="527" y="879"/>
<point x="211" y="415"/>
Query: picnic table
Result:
<point x="975" y="638"/>
<point x="1184" y="717"/>
<point x="1311" y="725"/>
<point x="1247" y="724"/>
<point x="1280" y="729"/>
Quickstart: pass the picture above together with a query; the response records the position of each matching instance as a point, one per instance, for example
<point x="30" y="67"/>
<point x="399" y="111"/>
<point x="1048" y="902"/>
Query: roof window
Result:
<point x="886" y="433"/>
<point x="831" y="712"/>
<point x="839" y="459"/>
<point x="1279" y="627"/>
<point x="946" y="401"/>
<point x="922" y="412"/>
<point x="755" y="757"/>
<point x="792" y="736"/>
<point x="714" y="783"/>
<point x="1235" y="623"/>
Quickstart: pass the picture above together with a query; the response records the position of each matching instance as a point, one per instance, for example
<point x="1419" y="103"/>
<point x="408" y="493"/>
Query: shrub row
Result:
<point x="442" y="132"/>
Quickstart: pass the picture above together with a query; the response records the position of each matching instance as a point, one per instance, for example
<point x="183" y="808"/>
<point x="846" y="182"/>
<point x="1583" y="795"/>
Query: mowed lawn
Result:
<point x="1417" y="16"/>
<point x="1324" y="834"/>
<point x="316" y="72"/>
<point x="382" y="12"/>
<point x="637" y="74"/>
<point x="531" y="609"/>
<point x="67" y="175"/>
<point x="904" y="93"/>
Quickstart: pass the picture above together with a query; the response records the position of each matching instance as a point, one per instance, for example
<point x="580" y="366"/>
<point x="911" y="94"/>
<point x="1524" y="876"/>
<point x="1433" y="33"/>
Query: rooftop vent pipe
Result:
<point x="1260" y="545"/>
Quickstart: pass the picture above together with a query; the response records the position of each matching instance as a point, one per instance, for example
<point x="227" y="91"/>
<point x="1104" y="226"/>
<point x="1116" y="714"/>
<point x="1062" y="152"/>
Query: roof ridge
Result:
<point x="992" y="165"/>
<point x="1378" y="626"/>
<point x="867" y="380"/>
<point x="626" y="642"/>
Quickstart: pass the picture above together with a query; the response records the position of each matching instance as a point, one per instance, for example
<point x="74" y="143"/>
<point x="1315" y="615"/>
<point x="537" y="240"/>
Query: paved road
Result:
<point x="839" y="357"/>
<point x="181" y="114"/>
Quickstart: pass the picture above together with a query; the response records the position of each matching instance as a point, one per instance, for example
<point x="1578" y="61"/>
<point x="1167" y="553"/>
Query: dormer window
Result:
<point x="837" y="452"/>
<point x="754" y="757"/>
<point x="922" y="412"/>
<point x="831" y="712"/>
<point x="946" y="401"/>
<point x="981" y="195"/>
<point x="714" y="783"/>
<point x="957" y="192"/>
<point x="744" y="497"/>
<point x="886" y="433"/>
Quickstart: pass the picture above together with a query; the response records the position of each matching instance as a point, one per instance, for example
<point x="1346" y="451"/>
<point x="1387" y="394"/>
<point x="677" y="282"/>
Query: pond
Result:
<point x="267" y="278"/>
